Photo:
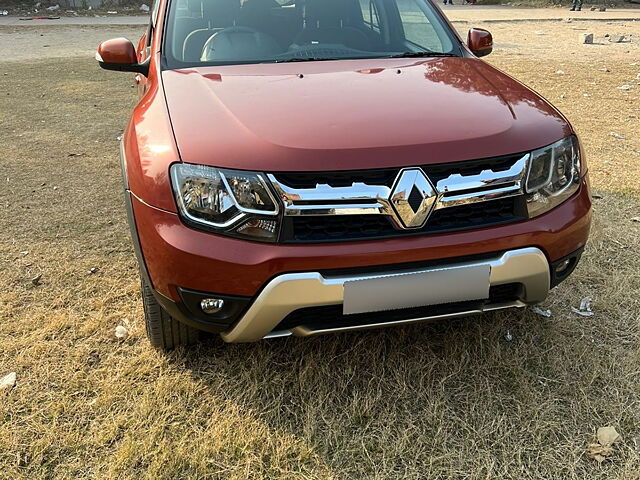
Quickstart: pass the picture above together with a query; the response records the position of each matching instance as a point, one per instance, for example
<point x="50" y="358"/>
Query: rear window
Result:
<point x="256" y="31"/>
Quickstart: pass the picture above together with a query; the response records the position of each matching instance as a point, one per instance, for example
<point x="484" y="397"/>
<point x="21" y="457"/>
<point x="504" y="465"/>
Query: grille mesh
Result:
<point x="364" y="227"/>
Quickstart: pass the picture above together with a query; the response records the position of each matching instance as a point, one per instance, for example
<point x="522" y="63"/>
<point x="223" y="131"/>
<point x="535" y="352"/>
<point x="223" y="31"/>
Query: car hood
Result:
<point x="351" y="114"/>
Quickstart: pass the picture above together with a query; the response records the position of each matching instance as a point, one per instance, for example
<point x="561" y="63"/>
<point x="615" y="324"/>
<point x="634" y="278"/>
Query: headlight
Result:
<point x="553" y="175"/>
<point x="232" y="202"/>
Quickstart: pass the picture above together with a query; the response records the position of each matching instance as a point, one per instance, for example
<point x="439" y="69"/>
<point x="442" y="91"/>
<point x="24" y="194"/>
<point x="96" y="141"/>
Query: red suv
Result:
<point x="310" y="166"/>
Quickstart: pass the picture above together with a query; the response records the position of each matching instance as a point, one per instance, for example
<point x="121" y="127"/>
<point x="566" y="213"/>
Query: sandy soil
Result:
<point x="29" y="42"/>
<point x="510" y="396"/>
<point x="562" y="41"/>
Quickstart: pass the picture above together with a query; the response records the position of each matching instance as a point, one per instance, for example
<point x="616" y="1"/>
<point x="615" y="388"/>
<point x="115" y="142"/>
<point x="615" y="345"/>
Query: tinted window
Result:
<point x="422" y="33"/>
<point x="254" y="31"/>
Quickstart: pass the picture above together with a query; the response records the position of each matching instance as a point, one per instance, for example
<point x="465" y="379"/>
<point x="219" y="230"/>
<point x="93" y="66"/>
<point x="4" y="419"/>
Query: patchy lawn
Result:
<point x="445" y="400"/>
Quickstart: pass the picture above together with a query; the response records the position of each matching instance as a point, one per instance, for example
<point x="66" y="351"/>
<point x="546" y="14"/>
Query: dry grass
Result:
<point x="449" y="400"/>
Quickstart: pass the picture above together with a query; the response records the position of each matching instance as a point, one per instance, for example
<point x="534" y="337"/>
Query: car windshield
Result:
<point x="219" y="32"/>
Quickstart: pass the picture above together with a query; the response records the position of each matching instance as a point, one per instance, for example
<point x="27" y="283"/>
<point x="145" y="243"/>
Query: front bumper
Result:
<point x="287" y="293"/>
<point x="278" y="281"/>
<point x="177" y="256"/>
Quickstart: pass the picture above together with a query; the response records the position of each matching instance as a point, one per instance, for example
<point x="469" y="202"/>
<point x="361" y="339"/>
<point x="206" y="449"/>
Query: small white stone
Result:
<point x="122" y="332"/>
<point x="8" y="381"/>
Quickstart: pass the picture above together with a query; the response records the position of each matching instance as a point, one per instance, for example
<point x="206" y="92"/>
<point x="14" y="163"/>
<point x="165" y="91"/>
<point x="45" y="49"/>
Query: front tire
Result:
<point x="164" y="331"/>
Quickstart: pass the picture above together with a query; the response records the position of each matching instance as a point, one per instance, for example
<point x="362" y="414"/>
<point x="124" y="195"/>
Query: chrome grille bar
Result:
<point x="459" y="189"/>
<point x="364" y="199"/>
<point x="358" y="199"/>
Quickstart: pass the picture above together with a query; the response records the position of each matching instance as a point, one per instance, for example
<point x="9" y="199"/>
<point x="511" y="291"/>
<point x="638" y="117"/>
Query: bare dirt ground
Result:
<point x="31" y="42"/>
<point x="511" y="396"/>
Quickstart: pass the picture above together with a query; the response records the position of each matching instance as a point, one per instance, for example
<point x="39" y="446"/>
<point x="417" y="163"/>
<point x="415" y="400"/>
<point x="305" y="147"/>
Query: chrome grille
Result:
<point x="369" y="204"/>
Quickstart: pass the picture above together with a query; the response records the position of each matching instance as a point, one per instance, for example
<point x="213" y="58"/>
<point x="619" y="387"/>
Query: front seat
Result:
<point x="183" y="26"/>
<point x="238" y="44"/>
<point x="218" y="14"/>
<point x="258" y="14"/>
<point x="268" y="16"/>
<point x="333" y="21"/>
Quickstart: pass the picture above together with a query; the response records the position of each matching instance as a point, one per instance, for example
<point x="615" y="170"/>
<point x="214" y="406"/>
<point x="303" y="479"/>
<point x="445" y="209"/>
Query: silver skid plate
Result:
<point x="417" y="289"/>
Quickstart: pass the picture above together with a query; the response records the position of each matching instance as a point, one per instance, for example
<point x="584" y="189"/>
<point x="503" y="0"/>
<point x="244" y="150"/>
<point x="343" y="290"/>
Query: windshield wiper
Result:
<point x="305" y="59"/>
<point x="398" y="55"/>
<point x="421" y="54"/>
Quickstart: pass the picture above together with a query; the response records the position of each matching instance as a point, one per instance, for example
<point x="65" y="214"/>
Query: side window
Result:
<point x="417" y="27"/>
<point x="370" y="15"/>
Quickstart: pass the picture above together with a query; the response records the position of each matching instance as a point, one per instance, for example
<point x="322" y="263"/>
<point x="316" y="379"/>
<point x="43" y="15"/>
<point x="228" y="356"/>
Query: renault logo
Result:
<point x="413" y="198"/>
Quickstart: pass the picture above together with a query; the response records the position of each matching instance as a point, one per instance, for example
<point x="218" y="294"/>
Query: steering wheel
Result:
<point x="239" y="43"/>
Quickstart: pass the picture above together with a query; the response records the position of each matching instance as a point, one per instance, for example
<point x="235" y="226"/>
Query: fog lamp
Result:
<point x="211" y="305"/>
<point x="562" y="266"/>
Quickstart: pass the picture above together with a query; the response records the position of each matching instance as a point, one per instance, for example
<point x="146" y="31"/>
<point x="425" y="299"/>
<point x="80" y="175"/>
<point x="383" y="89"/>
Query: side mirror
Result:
<point x="119" y="54"/>
<point x="480" y="42"/>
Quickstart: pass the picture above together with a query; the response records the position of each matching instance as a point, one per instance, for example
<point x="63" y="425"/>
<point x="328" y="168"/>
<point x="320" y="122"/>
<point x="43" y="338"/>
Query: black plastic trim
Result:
<point x="133" y="231"/>
<point x="574" y="258"/>
<point x="179" y="311"/>
<point x="233" y="307"/>
<point x="398" y="267"/>
<point x="331" y="316"/>
<point x="291" y="235"/>
<point x="141" y="68"/>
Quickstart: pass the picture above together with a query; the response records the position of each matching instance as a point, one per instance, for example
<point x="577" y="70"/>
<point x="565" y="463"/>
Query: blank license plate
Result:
<point x="416" y="289"/>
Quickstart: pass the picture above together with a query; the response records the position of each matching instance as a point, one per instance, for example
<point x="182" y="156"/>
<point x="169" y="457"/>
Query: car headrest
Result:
<point x="221" y="13"/>
<point x="255" y="10"/>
